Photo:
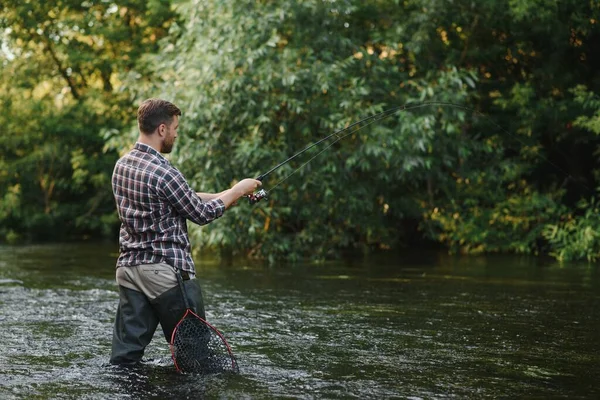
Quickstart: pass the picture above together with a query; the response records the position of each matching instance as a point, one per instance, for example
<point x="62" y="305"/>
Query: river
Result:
<point x="423" y="325"/>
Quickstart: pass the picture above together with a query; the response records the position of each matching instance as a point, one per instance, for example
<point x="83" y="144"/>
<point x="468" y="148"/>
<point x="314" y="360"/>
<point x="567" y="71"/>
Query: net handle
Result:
<point x="183" y="291"/>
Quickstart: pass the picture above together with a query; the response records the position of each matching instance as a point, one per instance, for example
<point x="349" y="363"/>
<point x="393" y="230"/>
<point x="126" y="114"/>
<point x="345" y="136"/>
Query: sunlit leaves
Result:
<point x="60" y="88"/>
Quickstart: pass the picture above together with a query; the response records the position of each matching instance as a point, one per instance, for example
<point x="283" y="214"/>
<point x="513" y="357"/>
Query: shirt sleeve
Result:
<point x="175" y="189"/>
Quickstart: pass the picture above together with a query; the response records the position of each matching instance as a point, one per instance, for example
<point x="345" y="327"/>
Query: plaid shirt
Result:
<point x="153" y="201"/>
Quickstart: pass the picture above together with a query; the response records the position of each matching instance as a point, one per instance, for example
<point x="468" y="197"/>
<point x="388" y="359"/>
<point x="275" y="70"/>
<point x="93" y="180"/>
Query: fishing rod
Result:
<point x="347" y="131"/>
<point x="262" y="193"/>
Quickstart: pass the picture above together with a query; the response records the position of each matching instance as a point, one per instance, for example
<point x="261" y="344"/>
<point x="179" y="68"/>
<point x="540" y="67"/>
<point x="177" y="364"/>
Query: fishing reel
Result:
<point x="258" y="196"/>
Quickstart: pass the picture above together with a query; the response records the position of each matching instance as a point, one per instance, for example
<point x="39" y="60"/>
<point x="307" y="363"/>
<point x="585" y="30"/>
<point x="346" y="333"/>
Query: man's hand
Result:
<point x="240" y="189"/>
<point x="246" y="186"/>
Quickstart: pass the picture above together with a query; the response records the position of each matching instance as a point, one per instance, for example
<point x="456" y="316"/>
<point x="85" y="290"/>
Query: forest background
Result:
<point x="259" y="80"/>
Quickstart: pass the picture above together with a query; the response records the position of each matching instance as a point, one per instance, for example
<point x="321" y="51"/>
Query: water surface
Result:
<point x="425" y="326"/>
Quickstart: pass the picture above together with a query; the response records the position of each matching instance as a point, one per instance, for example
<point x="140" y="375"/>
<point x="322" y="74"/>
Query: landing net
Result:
<point x="198" y="347"/>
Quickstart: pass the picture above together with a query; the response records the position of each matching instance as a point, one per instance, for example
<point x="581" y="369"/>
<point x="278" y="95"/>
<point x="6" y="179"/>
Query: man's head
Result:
<point x="159" y="120"/>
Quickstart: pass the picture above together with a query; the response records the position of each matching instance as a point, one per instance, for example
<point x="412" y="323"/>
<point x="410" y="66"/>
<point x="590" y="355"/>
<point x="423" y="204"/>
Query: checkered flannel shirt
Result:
<point x="153" y="201"/>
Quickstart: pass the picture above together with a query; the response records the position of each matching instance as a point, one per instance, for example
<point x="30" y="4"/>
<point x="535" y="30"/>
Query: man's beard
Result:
<point x="167" y="146"/>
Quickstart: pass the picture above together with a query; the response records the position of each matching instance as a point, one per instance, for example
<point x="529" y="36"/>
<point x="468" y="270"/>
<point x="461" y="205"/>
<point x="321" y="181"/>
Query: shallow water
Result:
<point x="424" y="326"/>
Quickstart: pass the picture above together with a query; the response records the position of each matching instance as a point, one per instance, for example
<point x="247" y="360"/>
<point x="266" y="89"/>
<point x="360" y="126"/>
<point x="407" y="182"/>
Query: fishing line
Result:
<point x="262" y="193"/>
<point x="326" y="147"/>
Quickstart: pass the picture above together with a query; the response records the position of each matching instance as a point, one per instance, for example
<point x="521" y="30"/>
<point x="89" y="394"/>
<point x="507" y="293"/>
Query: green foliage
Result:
<point x="63" y="63"/>
<point x="590" y="101"/>
<point x="514" y="224"/>
<point x="530" y="56"/>
<point x="576" y="237"/>
<point x="286" y="74"/>
<point x="258" y="82"/>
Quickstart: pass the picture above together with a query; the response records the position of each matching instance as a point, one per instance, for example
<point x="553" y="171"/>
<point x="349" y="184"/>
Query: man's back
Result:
<point x="152" y="229"/>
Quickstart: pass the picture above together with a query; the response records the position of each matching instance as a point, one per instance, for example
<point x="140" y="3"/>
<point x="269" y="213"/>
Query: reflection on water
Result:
<point x="420" y="326"/>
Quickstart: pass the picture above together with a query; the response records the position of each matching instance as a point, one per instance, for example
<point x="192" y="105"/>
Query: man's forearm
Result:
<point x="210" y="196"/>
<point x="229" y="196"/>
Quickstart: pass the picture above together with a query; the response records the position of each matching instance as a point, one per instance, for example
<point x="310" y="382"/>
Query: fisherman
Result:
<point x="154" y="201"/>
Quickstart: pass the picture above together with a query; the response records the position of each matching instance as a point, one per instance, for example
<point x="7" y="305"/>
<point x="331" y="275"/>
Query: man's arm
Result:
<point x="230" y="196"/>
<point x="175" y="189"/>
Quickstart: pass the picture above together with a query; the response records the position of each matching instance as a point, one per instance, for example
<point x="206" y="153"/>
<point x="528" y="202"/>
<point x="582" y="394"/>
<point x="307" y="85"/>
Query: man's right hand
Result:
<point x="246" y="186"/>
<point x="242" y="188"/>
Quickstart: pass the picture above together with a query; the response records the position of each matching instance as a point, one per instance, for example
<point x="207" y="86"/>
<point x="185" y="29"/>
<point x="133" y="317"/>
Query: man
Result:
<point x="153" y="202"/>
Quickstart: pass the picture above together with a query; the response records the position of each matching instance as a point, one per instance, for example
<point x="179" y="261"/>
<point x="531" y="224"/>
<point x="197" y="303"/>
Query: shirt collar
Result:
<point x="150" y="150"/>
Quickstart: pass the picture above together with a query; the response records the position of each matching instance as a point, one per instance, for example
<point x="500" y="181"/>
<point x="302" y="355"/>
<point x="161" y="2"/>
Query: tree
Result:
<point x="64" y="63"/>
<point x="258" y="81"/>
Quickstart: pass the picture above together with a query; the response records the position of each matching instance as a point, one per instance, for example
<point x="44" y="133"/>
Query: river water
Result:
<point x="420" y="326"/>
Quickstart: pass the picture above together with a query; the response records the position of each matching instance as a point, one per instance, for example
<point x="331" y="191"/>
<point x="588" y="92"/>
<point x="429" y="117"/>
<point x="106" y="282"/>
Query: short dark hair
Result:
<point x="153" y="112"/>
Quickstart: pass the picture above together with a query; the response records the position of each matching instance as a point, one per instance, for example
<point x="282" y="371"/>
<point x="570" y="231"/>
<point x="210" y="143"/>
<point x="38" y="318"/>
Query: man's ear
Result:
<point x="162" y="129"/>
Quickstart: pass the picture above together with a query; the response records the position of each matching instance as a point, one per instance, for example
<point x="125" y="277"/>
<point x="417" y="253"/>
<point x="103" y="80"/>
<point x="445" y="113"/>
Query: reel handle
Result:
<point x="258" y="196"/>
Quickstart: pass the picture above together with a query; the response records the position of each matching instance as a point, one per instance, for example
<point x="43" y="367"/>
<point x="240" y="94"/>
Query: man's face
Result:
<point x="170" y="135"/>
